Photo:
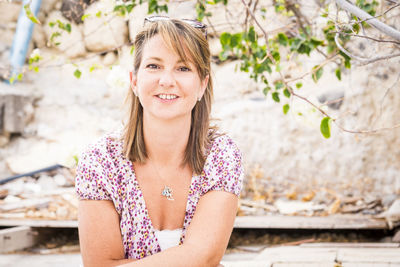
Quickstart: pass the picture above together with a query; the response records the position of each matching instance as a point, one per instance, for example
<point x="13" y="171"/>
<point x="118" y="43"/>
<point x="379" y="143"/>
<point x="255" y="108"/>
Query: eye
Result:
<point x="184" y="69"/>
<point x="152" y="66"/>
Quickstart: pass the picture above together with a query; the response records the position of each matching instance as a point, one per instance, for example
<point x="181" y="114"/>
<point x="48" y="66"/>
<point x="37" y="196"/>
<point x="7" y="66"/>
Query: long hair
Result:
<point x="189" y="44"/>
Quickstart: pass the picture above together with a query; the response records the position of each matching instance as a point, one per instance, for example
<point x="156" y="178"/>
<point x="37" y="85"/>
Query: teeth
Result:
<point x="167" y="96"/>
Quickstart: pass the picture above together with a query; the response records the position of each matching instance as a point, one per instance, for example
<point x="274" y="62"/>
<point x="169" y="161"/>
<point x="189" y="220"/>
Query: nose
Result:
<point x="167" y="79"/>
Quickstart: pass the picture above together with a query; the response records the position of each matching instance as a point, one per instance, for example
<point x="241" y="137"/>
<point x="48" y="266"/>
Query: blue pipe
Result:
<point x="22" y="37"/>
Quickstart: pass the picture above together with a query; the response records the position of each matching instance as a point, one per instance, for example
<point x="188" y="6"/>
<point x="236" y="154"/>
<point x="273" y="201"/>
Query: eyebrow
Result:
<point x="160" y="60"/>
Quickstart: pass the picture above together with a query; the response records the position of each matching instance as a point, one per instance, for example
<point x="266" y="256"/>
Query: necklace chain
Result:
<point x="167" y="191"/>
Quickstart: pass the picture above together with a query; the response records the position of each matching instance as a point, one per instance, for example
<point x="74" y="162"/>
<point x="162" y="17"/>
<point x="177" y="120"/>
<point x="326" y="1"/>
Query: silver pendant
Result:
<point x="167" y="192"/>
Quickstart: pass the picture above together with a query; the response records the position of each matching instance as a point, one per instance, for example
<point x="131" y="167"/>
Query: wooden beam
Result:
<point x="39" y="223"/>
<point x="17" y="238"/>
<point x="338" y="222"/>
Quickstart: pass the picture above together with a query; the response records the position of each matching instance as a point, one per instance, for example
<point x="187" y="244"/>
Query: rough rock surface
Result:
<point x="104" y="32"/>
<point x="69" y="43"/>
<point x="9" y="12"/>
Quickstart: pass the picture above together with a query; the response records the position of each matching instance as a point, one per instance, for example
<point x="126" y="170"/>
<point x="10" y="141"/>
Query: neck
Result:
<point x="166" y="141"/>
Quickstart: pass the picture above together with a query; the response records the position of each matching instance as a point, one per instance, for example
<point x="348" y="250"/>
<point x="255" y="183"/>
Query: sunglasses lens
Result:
<point x="194" y="23"/>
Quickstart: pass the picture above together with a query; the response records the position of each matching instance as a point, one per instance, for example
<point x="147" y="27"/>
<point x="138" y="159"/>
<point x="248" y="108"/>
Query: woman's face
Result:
<point x="167" y="88"/>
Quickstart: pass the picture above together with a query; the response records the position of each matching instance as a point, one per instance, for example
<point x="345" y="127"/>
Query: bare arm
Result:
<point x="99" y="234"/>
<point x="207" y="236"/>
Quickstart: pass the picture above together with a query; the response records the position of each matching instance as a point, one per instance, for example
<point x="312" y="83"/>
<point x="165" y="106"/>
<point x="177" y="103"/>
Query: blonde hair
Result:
<point x="189" y="44"/>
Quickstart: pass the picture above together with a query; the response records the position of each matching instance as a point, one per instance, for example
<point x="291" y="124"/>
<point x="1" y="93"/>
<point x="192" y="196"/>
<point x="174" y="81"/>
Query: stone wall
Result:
<point x="289" y="148"/>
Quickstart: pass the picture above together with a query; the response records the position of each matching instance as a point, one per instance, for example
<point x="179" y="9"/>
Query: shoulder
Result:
<point x="104" y="148"/>
<point x="96" y="168"/>
<point x="223" y="169"/>
<point x="223" y="148"/>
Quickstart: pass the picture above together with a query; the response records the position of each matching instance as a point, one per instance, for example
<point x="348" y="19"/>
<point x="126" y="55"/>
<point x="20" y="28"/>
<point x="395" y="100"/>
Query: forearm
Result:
<point x="176" y="257"/>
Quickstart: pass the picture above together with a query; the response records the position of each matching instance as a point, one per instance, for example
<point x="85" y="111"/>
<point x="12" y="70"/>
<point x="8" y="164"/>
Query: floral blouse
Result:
<point x="104" y="173"/>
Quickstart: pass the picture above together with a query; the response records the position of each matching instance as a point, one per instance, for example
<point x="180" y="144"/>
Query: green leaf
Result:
<point x="251" y="34"/>
<point x="12" y="79"/>
<point x="85" y="17"/>
<point x="53" y="36"/>
<point x="235" y="39"/>
<point x="299" y="85"/>
<point x="315" y="42"/>
<point x="19" y="77"/>
<point x="76" y="159"/>
<point x="266" y="90"/>
<point x="338" y="73"/>
<point x="51" y="24"/>
<point x="275" y="97"/>
<point x="30" y="15"/>
<point x="223" y="55"/>
<point x="77" y="73"/>
<point x="347" y="64"/>
<point x="98" y="14"/>
<point x="132" y="50"/>
<point x="36" y="69"/>
<point x="326" y="127"/>
<point x="316" y="75"/>
<point x="279" y="85"/>
<point x="93" y="67"/>
<point x="68" y="28"/>
<point x="282" y="39"/>
<point x="286" y="108"/>
<point x="225" y="38"/>
<point x="276" y="55"/>
<point x="129" y="7"/>
<point x="286" y="93"/>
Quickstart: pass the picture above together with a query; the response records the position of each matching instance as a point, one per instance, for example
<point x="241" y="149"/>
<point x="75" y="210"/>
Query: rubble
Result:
<point x="50" y="197"/>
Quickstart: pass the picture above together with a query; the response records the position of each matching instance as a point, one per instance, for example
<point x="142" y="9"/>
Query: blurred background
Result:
<point x="309" y="90"/>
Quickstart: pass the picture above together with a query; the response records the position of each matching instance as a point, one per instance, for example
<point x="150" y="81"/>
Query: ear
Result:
<point x="133" y="82"/>
<point x="204" y="84"/>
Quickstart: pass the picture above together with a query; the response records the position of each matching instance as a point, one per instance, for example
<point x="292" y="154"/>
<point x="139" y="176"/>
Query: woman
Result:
<point x="164" y="192"/>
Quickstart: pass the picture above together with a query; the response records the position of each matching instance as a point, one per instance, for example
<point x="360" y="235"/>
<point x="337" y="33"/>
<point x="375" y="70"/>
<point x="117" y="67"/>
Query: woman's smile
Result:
<point x="167" y="87"/>
<point x="167" y="98"/>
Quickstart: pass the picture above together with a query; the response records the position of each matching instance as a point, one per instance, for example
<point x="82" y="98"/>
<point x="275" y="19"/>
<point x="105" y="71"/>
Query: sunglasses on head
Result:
<point x="194" y="23"/>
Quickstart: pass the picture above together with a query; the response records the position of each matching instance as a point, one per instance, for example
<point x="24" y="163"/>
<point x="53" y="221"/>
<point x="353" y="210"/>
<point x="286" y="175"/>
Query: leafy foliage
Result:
<point x="258" y="55"/>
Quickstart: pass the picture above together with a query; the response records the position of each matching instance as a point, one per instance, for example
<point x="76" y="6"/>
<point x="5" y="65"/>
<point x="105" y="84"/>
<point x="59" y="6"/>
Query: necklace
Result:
<point x="167" y="191"/>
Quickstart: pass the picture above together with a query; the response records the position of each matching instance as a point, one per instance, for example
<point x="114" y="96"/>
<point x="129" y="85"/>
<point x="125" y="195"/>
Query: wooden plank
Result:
<point x="17" y="238"/>
<point x="254" y="222"/>
<point x="308" y="264"/>
<point x="301" y="222"/>
<point x="246" y="263"/>
<point x="39" y="223"/>
<point x="351" y="245"/>
<point x="298" y="255"/>
<point x="361" y="264"/>
<point x="369" y="255"/>
<point x="26" y="203"/>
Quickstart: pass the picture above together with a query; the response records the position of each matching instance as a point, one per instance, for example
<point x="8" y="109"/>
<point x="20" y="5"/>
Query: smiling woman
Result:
<point x="164" y="191"/>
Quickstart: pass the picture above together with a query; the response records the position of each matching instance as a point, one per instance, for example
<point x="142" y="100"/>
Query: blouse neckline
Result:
<point x="143" y="203"/>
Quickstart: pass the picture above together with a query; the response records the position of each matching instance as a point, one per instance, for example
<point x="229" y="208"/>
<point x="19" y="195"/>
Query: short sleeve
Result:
<point x="92" y="175"/>
<point x="223" y="169"/>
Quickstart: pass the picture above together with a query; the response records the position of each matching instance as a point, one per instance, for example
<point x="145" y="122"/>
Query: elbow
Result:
<point x="206" y="256"/>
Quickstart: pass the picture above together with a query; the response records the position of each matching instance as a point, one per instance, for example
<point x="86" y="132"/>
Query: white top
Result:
<point x="168" y="238"/>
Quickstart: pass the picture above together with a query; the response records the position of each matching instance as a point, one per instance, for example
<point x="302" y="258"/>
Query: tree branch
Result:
<point x="380" y="26"/>
<point x="362" y="60"/>
<point x="368" y="37"/>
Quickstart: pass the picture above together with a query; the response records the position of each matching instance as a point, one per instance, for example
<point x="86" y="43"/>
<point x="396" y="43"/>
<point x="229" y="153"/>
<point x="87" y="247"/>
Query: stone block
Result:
<point x="70" y="43"/>
<point x="16" y="110"/>
<point x="39" y="36"/>
<point x="9" y="12"/>
<point x="104" y="32"/>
